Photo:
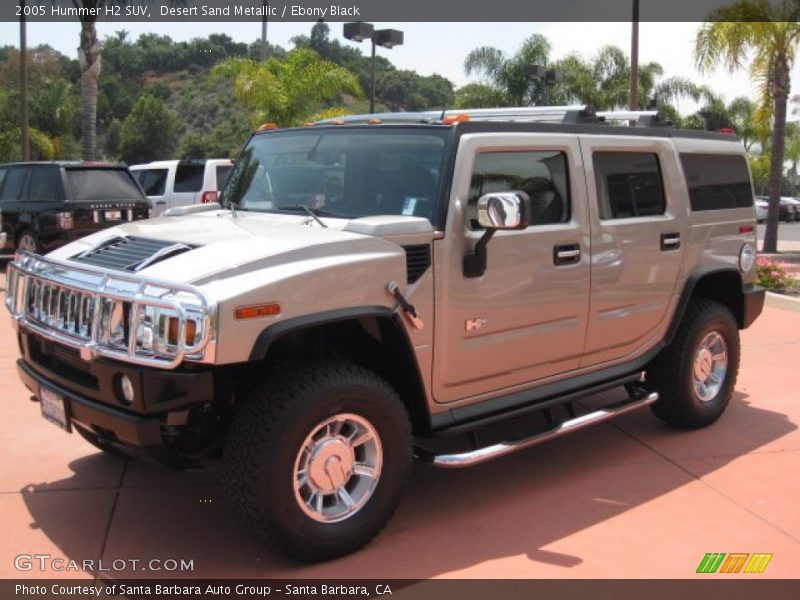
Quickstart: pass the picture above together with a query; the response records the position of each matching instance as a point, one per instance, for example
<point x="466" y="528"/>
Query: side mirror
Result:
<point x="504" y="210"/>
<point x="499" y="211"/>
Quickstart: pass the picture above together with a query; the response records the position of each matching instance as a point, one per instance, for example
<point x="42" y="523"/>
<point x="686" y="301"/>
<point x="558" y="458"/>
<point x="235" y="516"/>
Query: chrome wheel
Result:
<point x="337" y="468"/>
<point x="26" y="242"/>
<point x="710" y="366"/>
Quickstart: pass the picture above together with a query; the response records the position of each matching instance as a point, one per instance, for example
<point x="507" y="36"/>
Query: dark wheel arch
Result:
<point x="392" y="358"/>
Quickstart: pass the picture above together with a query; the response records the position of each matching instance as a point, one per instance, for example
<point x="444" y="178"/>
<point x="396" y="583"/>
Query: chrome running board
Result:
<point x="475" y="457"/>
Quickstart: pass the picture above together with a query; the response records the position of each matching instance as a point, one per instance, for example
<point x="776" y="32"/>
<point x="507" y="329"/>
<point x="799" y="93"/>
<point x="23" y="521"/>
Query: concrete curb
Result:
<point x="783" y="302"/>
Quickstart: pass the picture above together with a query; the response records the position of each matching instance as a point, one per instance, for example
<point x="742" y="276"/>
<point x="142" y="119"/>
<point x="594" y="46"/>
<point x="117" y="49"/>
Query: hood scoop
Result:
<point x="131" y="253"/>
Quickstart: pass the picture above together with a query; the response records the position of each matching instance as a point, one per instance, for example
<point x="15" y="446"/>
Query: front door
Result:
<point x="524" y="319"/>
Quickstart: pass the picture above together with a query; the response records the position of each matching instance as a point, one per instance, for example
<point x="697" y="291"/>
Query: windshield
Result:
<point x="346" y="173"/>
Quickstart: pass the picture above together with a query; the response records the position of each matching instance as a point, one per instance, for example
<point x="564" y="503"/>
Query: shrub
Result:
<point x="771" y="275"/>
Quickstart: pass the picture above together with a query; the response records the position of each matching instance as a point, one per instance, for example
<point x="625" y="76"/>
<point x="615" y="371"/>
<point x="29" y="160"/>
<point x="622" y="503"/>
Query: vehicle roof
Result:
<point x="533" y="119"/>
<point x="84" y="164"/>
<point x="171" y="163"/>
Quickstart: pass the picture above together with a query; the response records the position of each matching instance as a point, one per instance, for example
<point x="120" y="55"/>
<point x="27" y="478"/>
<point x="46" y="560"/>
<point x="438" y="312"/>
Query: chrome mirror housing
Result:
<point x="504" y="210"/>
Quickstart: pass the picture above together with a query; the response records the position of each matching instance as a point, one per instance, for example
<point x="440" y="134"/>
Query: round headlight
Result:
<point x="747" y="257"/>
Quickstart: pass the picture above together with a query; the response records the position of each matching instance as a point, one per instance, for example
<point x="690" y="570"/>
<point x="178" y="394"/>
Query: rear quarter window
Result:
<point x="223" y="172"/>
<point x="12" y="183"/>
<point x="717" y="181"/>
<point x="189" y="177"/>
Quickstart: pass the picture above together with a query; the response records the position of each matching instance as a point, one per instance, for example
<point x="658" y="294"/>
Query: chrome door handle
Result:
<point x="566" y="254"/>
<point x="670" y="241"/>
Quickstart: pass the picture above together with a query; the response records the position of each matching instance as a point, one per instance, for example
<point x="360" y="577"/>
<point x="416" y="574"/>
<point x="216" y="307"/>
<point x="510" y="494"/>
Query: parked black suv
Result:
<point x="44" y="205"/>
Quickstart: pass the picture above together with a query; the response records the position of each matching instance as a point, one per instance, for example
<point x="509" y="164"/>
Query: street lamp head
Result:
<point x="534" y="72"/>
<point x="358" y="32"/>
<point x="388" y="38"/>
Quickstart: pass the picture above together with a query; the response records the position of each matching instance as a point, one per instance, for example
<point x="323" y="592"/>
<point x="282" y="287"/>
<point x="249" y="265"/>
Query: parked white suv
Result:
<point x="171" y="183"/>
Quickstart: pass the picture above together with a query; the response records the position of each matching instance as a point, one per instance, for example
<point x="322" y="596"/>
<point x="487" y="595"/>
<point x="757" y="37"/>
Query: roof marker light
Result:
<point x="453" y="119"/>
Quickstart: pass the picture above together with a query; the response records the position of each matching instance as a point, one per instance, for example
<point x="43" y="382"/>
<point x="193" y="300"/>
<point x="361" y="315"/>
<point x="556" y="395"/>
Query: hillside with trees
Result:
<point x="158" y="98"/>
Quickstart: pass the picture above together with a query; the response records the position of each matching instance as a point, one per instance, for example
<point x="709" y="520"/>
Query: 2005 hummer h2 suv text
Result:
<point x="434" y="285"/>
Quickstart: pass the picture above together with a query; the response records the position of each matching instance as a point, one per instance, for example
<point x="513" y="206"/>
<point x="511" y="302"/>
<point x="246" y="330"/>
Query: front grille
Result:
<point x="130" y="253"/>
<point x="418" y="259"/>
<point x="69" y="311"/>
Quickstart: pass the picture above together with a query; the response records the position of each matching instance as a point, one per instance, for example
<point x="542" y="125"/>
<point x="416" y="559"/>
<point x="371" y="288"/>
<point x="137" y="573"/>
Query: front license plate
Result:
<point x="113" y="215"/>
<point x="54" y="408"/>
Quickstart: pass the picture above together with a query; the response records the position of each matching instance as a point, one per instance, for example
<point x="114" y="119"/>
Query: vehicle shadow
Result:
<point x="449" y="521"/>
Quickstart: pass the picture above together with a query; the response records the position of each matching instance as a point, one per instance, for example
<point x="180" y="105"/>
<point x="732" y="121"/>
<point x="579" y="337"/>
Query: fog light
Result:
<point x="126" y="387"/>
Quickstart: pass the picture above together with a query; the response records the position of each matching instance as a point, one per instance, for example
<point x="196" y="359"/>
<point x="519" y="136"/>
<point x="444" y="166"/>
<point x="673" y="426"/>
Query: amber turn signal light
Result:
<point x="172" y="332"/>
<point x="258" y="310"/>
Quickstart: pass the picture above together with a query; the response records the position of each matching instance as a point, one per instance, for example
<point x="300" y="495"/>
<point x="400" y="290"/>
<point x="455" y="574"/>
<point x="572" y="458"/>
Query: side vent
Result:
<point x="418" y="259"/>
<point x="130" y="253"/>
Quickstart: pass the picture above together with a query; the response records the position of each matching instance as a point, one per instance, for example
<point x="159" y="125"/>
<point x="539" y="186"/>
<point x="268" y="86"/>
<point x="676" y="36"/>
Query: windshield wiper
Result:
<point x="314" y="213"/>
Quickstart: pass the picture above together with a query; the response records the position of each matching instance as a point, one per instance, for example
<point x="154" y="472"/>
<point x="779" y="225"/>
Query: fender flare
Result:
<point x="274" y="332"/>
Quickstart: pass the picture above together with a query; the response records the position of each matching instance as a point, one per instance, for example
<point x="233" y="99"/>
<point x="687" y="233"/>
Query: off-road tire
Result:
<point x="671" y="374"/>
<point x="267" y="433"/>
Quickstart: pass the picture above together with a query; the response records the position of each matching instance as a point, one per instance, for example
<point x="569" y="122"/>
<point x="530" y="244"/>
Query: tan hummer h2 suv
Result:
<point x="369" y="290"/>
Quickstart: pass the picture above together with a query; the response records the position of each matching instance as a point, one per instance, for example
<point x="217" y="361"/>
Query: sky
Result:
<point x="441" y="47"/>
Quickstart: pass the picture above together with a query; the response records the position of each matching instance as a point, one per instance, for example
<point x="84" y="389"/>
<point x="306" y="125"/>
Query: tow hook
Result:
<point x="408" y="308"/>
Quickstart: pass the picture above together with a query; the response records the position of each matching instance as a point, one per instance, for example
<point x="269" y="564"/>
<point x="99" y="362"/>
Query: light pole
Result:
<point x="264" y="47"/>
<point x="633" y="91"/>
<point x="387" y="38"/>
<point x="23" y="83"/>
<point x="542" y="75"/>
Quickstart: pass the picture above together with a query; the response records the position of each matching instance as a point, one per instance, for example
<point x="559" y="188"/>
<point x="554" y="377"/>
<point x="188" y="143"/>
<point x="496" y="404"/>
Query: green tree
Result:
<point x="601" y="82"/>
<point x="768" y="36"/>
<point x="287" y="91"/>
<point x="503" y="76"/>
<point x="148" y="132"/>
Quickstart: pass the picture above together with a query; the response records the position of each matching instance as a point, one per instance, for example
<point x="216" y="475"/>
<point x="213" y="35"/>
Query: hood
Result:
<point x="223" y="243"/>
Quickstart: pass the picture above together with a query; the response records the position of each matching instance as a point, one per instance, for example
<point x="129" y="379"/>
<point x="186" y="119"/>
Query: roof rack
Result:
<point x="525" y="114"/>
<point x="641" y="118"/>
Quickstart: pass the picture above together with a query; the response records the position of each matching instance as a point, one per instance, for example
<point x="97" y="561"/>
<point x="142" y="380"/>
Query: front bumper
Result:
<point x="146" y="427"/>
<point x="753" y="303"/>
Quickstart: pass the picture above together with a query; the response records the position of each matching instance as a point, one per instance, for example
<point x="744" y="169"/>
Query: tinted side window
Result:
<point x="542" y="175"/>
<point x="189" y="177"/>
<point x="153" y="181"/>
<point x="223" y="172"/>
<point x="12" y="184"/>
<point x="45" y="184"/>
<point x="717" y="181"/>
<point x="628" y="184"/>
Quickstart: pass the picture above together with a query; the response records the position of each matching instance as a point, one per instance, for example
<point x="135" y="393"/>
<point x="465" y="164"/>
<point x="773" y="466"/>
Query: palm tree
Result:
<point x="604" y="81"/>
<point x="771" y="34"/>
<point x="287" y="91"/>
<point x="89" y="60"/>
<point x="503" y="77"/>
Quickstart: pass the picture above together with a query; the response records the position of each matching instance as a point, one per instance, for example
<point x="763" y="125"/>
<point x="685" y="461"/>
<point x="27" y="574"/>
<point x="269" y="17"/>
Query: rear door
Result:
<point x="638" y="235"/>
<point x="101" y="197"/>
<point x="12" y="188"/>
